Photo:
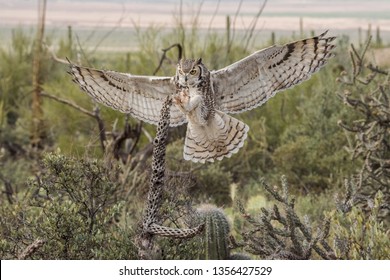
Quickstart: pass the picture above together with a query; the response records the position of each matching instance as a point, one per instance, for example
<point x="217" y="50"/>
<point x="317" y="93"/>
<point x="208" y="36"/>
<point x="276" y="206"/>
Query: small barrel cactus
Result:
<point x="239" y="256"/>
<point x="216" y="232"/>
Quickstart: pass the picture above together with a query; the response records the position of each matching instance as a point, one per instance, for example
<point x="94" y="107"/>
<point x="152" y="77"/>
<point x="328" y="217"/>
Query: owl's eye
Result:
<point x="193" y="72"/>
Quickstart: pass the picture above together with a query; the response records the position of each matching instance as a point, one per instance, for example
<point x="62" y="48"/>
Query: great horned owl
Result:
<point x="203" y="98"/>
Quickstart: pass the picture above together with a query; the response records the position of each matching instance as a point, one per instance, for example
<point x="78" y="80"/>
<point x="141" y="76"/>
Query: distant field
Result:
<point x="94" y="20"/>
<point x="124" y="39"/>
<point x="277" y="15"/>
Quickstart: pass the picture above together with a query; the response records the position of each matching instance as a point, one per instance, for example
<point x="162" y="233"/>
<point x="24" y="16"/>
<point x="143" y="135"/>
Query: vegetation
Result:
<point x="81" y="186"/>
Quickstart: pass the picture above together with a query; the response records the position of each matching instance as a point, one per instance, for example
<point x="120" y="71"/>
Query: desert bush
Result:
<point x="74" y="208"/>
<point x="366" y="90"/>
<point x="357" y="232"/>
<point x="280" y="232"/>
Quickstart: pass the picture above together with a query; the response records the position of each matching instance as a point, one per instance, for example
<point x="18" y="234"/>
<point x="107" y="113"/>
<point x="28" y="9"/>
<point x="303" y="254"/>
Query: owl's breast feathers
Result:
<point x="211" y="135"/>
<point x="190" y="102"/>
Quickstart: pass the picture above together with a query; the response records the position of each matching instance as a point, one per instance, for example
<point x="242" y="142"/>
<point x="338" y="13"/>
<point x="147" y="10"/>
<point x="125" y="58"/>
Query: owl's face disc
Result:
<point x="189" y="72"/>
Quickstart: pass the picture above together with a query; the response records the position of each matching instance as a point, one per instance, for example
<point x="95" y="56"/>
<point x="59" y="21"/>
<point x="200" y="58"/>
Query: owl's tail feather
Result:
<point x="221" y="137"/>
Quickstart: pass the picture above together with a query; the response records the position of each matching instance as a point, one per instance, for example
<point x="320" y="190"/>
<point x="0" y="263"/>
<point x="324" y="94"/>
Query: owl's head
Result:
<point x="190" y="72"/>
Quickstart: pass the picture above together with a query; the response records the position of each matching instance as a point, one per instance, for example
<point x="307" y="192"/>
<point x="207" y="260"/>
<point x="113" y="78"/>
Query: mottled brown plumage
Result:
<point x="203" y="98"/>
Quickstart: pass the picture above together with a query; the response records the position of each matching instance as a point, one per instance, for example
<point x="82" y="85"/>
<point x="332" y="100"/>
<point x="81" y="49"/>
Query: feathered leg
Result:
<point x="221" y="137"/>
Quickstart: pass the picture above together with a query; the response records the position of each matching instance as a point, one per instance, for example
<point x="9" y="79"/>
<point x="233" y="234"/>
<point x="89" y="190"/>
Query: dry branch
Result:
<point x="164" y="55"/>
<point x="37" y="127"/>
<point x="31" y="249"/>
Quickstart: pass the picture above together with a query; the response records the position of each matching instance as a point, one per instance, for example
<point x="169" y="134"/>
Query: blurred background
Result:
<point x="353" y="17"/>
<point x="311" y="182"/>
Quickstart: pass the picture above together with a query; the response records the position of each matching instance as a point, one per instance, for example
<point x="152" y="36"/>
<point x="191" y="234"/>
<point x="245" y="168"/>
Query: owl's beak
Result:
<point x="185" y="78"/>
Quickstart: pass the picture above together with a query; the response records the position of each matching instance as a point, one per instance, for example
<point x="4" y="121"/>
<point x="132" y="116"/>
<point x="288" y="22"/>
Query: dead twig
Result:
<point x="31" y="249"/>
<point x="9" y="192"/>
<point x="249" y="33"/>
<point x="94" y="114"/>
<point x="164" y="55"/>
<point x="69" y="103"/>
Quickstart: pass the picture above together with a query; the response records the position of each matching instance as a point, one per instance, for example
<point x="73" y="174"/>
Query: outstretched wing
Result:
<point x="140" y="96"/>
<point x="253" y="80"/>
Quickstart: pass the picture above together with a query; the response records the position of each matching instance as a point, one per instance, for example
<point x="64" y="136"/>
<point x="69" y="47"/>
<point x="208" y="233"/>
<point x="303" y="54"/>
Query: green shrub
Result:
<point x="358" y="234"/>
<point x="73" y="206"/>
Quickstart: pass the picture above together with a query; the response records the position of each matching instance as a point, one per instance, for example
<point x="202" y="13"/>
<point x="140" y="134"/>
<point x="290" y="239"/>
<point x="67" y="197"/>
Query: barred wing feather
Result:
<point x="252" y="81"/>
<point x="140" y="96"/>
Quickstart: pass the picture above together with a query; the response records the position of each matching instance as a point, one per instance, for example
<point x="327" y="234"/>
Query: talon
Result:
<point x="184" y="96"/>
<point x="176" y="99"/>
<point x="184" y="93"/>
